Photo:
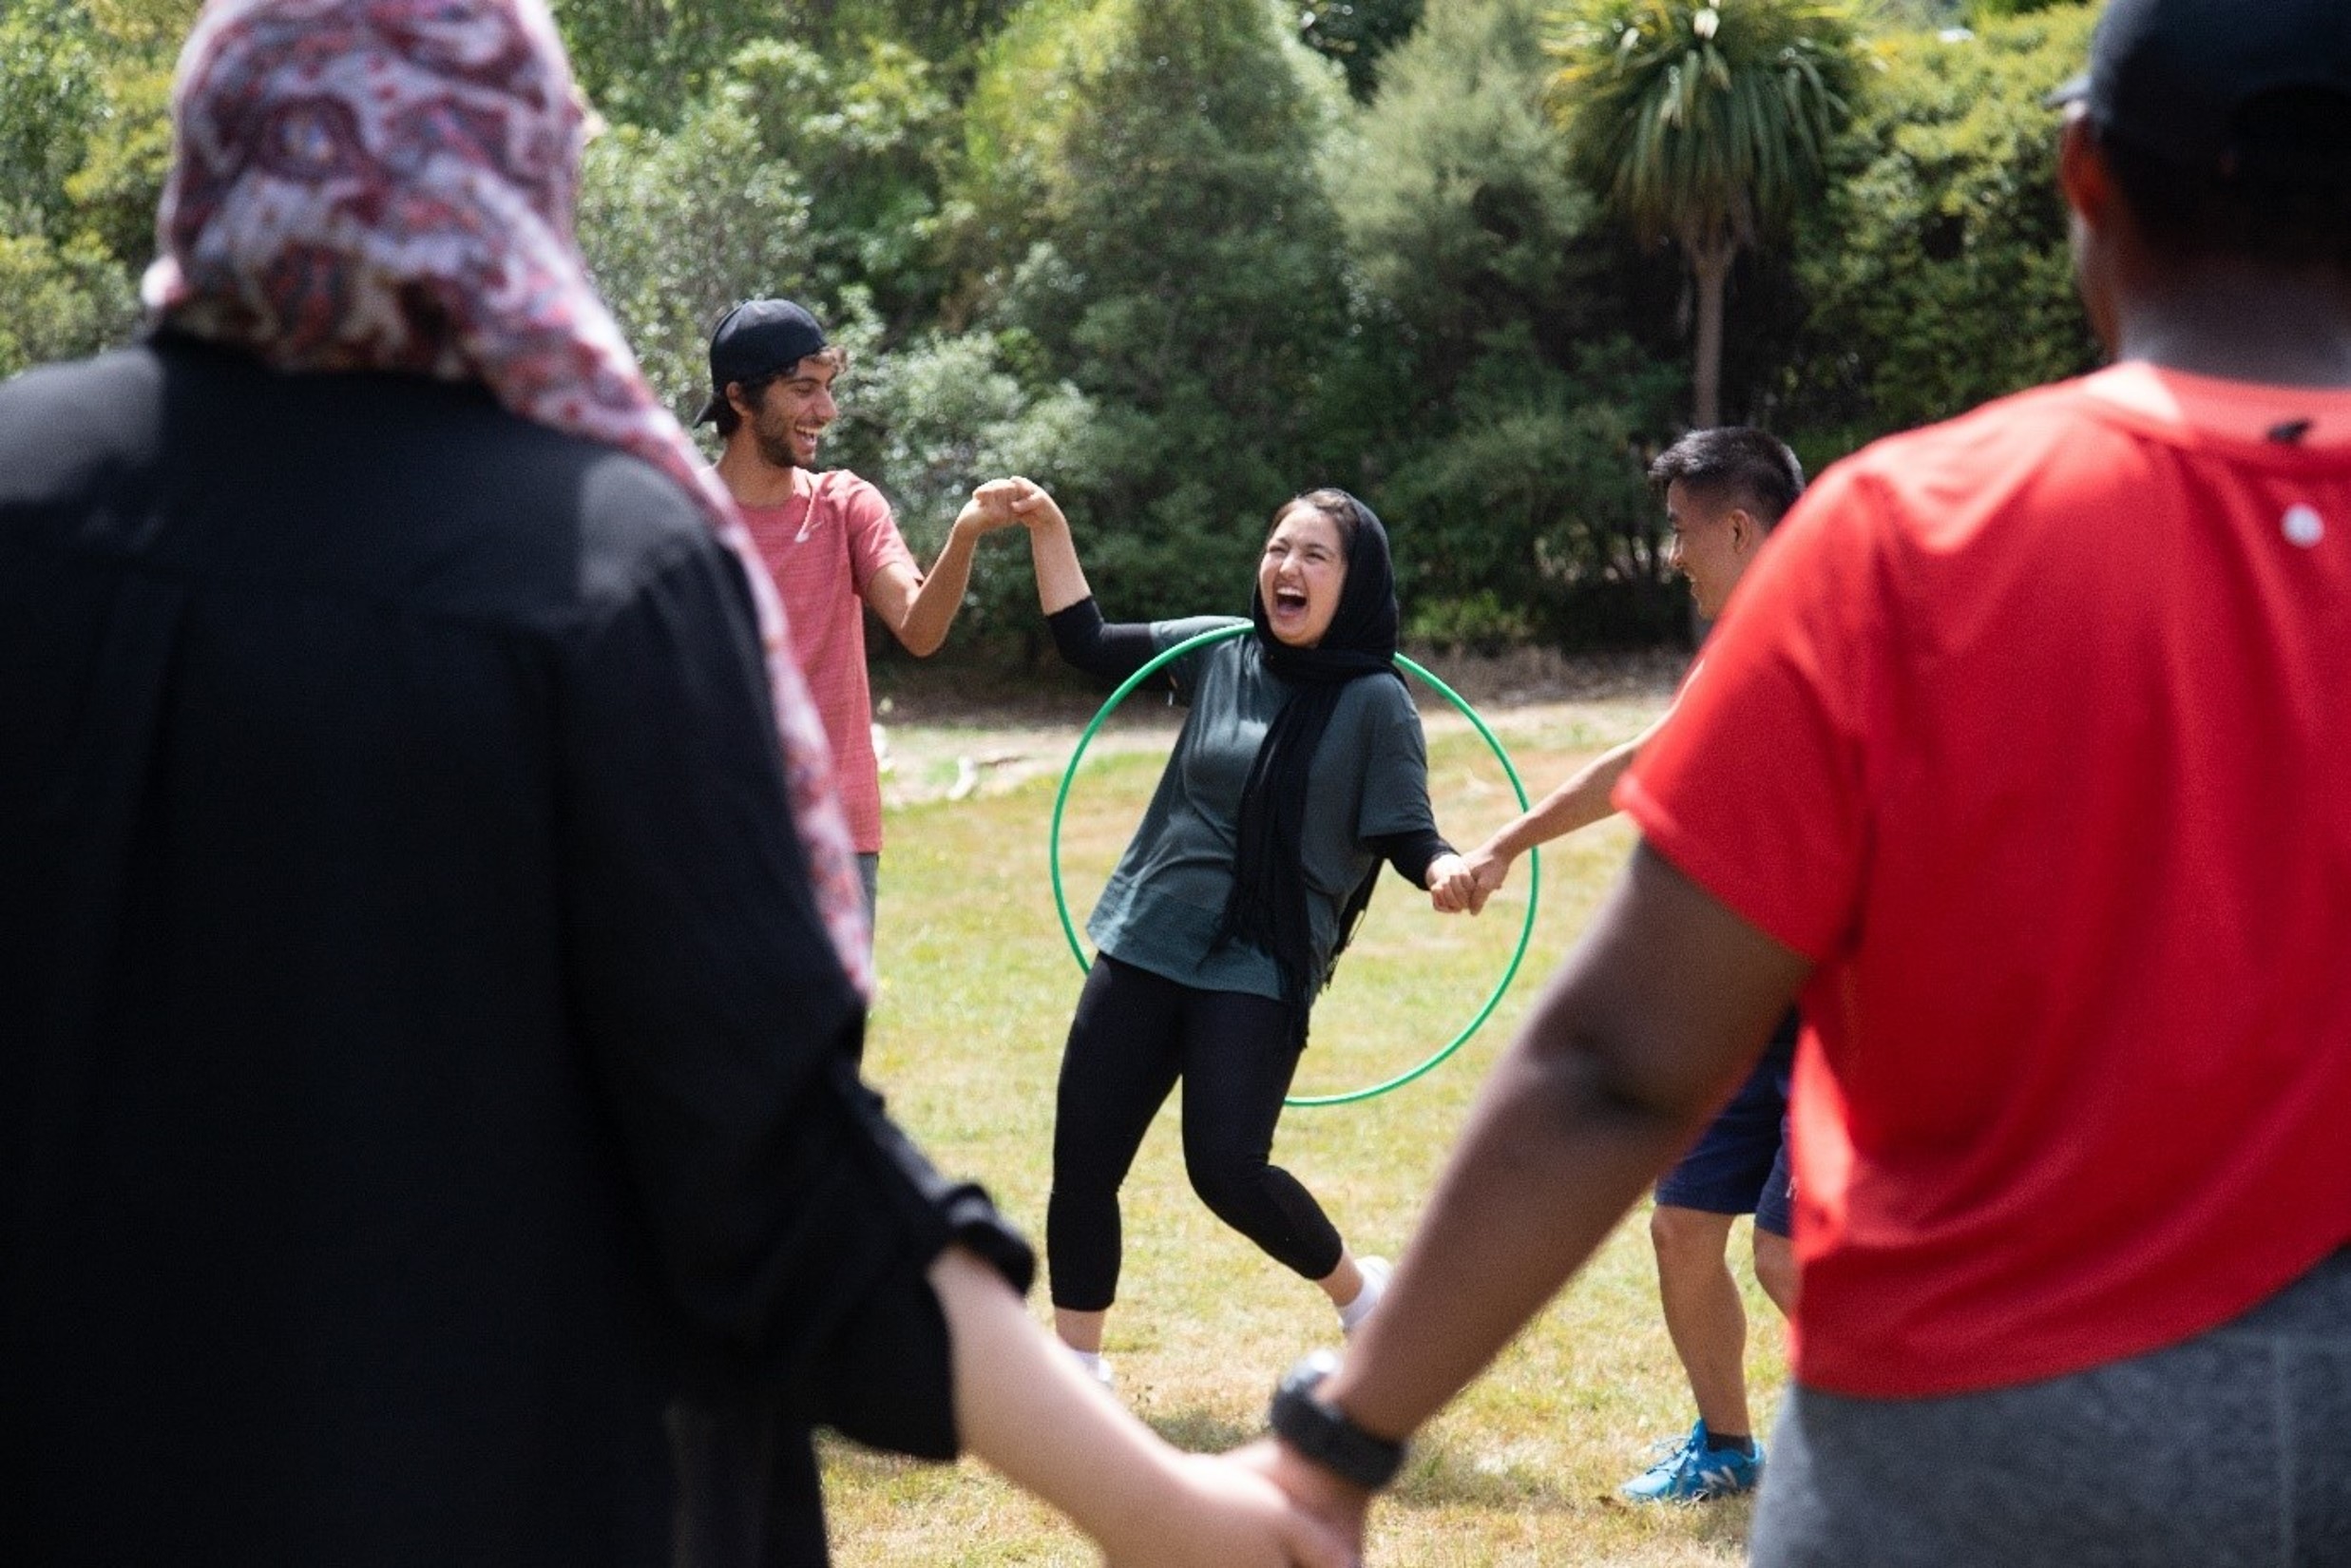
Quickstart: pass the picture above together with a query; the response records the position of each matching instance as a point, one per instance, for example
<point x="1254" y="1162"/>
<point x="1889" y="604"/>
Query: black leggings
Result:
<point x="1133" y="1036"/>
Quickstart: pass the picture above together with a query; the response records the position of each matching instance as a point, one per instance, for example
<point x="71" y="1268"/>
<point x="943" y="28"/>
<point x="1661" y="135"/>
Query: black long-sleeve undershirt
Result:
<point x="1113" y="652"/>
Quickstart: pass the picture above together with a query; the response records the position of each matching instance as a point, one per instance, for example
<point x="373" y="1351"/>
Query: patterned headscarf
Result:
<point x="388" y="185"/>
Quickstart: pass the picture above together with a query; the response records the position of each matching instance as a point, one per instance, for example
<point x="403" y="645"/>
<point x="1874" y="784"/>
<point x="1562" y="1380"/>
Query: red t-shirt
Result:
<point x="2033" y="730"/>
<point x="823" y="546"/>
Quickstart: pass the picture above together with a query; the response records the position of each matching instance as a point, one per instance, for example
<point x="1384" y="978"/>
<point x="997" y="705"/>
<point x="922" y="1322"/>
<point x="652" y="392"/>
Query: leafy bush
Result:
<point x="63" y="301"/>
<point x="1980" y="12"/>
<point x="1139" y="204"/>
<point x="1504" y="412"/>
<point x="1938" y="269"/>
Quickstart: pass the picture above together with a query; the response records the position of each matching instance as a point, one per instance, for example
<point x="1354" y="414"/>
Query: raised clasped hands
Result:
<point x="1015" y="500"/>
<point x="988" y="512"/>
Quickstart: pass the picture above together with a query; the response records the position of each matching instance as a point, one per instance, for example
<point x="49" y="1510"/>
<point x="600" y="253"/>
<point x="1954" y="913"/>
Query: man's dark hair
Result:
<point x="2283" y="201"/>
<point x="1734" y="461"/>
<point x="723" y="415"/>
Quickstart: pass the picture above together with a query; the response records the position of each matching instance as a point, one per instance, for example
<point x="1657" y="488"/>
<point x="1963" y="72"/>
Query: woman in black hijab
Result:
<point x="1300" y="768"/>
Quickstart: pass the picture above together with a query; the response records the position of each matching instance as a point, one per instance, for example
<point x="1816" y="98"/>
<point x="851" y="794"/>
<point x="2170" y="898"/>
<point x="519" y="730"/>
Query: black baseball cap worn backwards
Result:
<point x="2171" y="76"/>
<point x="754" y="341"/>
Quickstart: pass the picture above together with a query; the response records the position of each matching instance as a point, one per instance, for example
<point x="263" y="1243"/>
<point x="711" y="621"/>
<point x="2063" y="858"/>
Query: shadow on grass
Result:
<point x="1446" y="1475"/>
<point x="1200" y="1432"/>
<point x="1439" y="1475"/>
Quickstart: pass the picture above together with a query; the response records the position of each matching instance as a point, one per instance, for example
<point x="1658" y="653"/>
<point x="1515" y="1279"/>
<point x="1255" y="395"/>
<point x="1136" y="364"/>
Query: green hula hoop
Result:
<point x="1534" y="862"/>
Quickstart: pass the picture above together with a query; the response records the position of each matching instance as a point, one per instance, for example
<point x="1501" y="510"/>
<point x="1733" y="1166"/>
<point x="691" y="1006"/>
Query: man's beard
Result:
<point x="776" y="450"/>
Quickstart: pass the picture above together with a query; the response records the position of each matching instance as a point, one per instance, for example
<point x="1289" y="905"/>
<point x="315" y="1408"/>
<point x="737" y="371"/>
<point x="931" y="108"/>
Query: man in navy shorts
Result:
<point x="1738" y="1166"/>
<point x="1724" y="489"/>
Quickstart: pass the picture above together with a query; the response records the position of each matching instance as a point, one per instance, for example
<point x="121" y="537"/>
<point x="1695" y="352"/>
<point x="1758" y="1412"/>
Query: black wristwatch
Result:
<point x="1324" y="1435"/>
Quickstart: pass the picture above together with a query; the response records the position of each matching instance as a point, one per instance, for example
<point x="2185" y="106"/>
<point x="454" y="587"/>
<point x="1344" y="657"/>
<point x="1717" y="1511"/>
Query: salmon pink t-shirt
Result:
<point x="2033" y="731"/>
<point x="823" y="548"/>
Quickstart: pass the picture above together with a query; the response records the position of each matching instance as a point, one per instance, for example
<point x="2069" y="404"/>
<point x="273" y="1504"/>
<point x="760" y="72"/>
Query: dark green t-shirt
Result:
<point x="1162" y="906"/>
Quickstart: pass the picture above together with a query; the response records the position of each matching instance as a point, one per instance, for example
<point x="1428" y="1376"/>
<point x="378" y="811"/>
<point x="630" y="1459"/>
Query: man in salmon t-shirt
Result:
<point x="2025" y="753"/>
<point x="827" y="538"/>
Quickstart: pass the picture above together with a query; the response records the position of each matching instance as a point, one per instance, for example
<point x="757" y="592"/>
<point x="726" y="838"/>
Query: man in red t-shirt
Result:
<point x="2025" y="752"/>
<point x="829" y="540"/>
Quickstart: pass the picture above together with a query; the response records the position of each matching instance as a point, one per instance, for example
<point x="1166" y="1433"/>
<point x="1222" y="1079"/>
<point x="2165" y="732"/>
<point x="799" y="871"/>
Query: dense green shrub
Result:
<point x="84" y="140"/>
<point x="1502" y="409"/>
<point x="1938" y="273"/>
<point x="63" y="301"/>
<point x="1142" y="203"/>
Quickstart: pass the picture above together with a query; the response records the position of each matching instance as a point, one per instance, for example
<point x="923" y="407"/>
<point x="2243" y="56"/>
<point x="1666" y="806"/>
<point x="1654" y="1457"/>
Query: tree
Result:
<point x="1460" y="214"/>
<point x="1937" y="269"/>
<point x="675" y="227"/>
<point x="85" y="141"/>
<point x="1705" y="124"/>
<point x="1143" y="200"/>
<point x="647" y="61"/>
<point x="1502" y="413"/>
<point x="1356" y="33"/>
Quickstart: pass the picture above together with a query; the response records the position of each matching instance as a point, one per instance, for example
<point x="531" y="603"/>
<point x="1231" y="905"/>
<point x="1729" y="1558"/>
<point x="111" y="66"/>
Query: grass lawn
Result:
<point x="977" y="989"/>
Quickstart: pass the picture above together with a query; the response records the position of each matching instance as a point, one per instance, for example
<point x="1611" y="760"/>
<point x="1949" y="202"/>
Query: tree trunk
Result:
<point x="1709" y="267"/>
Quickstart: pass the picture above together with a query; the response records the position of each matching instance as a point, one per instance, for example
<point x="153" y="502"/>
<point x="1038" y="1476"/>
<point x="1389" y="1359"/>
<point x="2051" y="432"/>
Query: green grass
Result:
<point x="977" y="989"/>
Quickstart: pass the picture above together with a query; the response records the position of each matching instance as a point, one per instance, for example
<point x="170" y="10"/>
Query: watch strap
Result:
<point x="1323" y="1433"/>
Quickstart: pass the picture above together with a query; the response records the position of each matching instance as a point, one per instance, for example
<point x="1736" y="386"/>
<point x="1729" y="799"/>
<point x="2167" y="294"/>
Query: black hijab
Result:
<point x="1268" y="906"/>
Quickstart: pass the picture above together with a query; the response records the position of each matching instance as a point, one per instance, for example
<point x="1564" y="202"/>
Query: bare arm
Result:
<point x="919" y="609"/>
<point x="1025" y="1408"/>
<point x="1637" y="1040"/>
<point x="1578" y="803"/>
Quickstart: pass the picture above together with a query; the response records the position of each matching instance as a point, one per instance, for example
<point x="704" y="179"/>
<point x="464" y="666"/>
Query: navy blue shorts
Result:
<point x="1739" y="1164"/>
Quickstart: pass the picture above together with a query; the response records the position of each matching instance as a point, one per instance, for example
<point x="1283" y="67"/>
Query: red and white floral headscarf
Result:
<point x="389" y="185"/>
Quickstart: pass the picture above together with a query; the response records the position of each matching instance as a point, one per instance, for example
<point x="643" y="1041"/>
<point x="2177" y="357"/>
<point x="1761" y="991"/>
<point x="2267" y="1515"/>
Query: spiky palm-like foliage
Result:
<point x="1705" y="124"/>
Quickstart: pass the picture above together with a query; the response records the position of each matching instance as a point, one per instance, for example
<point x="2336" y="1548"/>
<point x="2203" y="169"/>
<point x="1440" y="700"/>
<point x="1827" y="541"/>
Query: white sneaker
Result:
<point x="1375" y="1272"/>
<point x="1093" y="1364"/>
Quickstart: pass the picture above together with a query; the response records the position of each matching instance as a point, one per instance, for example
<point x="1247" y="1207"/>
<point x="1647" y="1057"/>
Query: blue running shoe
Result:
<point x="1689" y="1473"/>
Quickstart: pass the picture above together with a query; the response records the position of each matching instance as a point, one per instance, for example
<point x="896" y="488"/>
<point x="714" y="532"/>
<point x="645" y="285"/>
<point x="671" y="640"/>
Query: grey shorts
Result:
<point x="2230" y="1450"/>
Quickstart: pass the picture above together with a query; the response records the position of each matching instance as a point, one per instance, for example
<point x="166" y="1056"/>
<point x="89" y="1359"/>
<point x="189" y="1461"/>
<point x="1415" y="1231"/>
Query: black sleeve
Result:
<point x="1411" y="852"/>
<point x="794" y="1224"/>
<point x="1106" y="652"/>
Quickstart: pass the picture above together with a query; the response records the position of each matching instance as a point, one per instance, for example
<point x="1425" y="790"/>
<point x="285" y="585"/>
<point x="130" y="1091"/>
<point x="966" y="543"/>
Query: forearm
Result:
<point x="1578" y="803"/>
<point x="1547" y="1168"/>
<point x="1107" y="653"/>
<point x="1060" y="581"/>
<point x="931" y="610"/>
<point x="1028" y="1411"/>
<point x="1641" y="1037"/>
<point x="1411" y="852"/>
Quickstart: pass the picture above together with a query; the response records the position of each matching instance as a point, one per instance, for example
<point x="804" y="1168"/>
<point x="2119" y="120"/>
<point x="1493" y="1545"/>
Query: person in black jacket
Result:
<point x="427" y="947"/>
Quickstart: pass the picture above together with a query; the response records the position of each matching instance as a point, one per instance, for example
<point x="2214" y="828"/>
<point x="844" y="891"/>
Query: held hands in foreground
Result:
<point x="1332" y="1503"/>
<point x="1228" y="1514"/>
<point x="1023" y="1406"/>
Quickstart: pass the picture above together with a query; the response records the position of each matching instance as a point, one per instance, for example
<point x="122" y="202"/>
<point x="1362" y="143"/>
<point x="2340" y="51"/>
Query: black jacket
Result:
<point x="419" y="1056"/>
